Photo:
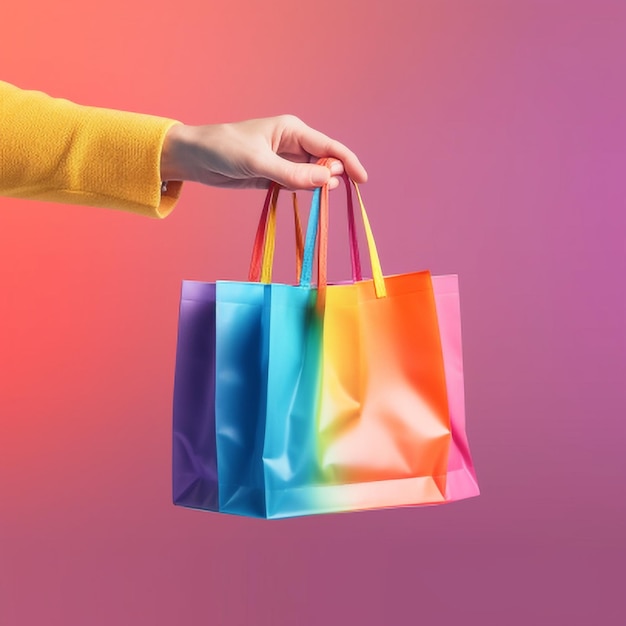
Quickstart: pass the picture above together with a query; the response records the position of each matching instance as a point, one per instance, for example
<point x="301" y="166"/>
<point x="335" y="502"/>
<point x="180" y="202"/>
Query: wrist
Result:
<point x="175" y="147"/>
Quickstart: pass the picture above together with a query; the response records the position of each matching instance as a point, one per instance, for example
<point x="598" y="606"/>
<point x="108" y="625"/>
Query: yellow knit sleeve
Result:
<point x="53" y="149"/>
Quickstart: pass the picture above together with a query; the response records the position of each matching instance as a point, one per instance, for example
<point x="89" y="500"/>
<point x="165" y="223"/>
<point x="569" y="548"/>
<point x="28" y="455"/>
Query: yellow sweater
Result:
<point x="53" y="149"/>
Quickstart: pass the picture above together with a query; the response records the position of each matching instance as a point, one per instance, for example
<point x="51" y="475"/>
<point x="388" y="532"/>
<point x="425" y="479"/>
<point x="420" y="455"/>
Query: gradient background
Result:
<point x="494" y="133"/>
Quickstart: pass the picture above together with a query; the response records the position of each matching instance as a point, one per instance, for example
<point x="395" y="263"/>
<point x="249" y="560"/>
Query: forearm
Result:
<point x="52" y="149"/>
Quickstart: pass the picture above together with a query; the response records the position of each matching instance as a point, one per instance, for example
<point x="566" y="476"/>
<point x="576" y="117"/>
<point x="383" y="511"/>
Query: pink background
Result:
<point x="494" y="133"/>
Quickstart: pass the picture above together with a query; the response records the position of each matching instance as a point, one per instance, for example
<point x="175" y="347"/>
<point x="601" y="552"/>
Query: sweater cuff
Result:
<point x="119" y="161"/>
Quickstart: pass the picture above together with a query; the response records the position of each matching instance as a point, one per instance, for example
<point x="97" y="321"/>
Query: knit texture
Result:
<point x="52" y="149"/>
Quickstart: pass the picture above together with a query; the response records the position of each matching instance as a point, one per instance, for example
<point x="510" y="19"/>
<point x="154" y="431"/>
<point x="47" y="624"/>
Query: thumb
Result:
<point x="294" y="175"/>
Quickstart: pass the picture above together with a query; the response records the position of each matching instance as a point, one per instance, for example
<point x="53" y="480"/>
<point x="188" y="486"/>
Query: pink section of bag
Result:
<point x="461" y="482"/>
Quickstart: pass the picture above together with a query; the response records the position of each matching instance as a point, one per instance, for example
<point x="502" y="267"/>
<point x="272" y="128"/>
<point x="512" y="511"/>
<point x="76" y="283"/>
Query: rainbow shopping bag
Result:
<point x="300" y="400"/>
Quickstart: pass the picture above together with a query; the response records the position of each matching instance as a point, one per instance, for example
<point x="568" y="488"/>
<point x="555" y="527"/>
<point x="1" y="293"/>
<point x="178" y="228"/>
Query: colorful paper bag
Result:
<point x="325" y="400"/>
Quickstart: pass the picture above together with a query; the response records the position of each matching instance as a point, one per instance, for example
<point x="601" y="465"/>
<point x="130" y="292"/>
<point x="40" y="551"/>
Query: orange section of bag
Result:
<point x="384" y="411"/>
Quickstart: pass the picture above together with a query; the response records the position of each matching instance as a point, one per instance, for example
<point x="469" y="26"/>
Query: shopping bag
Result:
<point x="338" y="473"/>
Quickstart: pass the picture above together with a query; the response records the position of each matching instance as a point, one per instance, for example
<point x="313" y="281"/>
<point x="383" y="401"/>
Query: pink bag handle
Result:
<point x="357" y="274"/>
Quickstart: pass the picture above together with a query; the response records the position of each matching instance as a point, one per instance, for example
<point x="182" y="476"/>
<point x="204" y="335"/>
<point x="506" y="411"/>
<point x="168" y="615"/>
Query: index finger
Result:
<point x="320" y="145"/>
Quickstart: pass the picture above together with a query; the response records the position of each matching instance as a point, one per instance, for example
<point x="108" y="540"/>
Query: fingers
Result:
<point x="320" y="145"/>
<point x="294" y="175"/>
<point x="278" y="149"/>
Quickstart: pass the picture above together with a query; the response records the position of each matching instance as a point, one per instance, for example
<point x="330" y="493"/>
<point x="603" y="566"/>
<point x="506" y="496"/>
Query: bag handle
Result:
<point x="262" y="259"/>
<point x="269" y="241"/>
<point x="317" y="231"/>
<point x="264" y="245"/>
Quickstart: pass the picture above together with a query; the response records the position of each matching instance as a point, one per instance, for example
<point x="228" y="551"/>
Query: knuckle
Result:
<point x="290" y="120"/>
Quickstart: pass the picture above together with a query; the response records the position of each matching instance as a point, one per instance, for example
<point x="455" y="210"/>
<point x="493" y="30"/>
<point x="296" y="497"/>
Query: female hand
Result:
<point x="252" y="153"/>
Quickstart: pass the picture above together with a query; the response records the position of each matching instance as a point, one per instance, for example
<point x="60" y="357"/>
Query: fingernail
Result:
<point x="336" y="167"/>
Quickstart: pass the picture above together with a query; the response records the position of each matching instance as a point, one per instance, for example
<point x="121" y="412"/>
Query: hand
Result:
<point x="252" y="153"/>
